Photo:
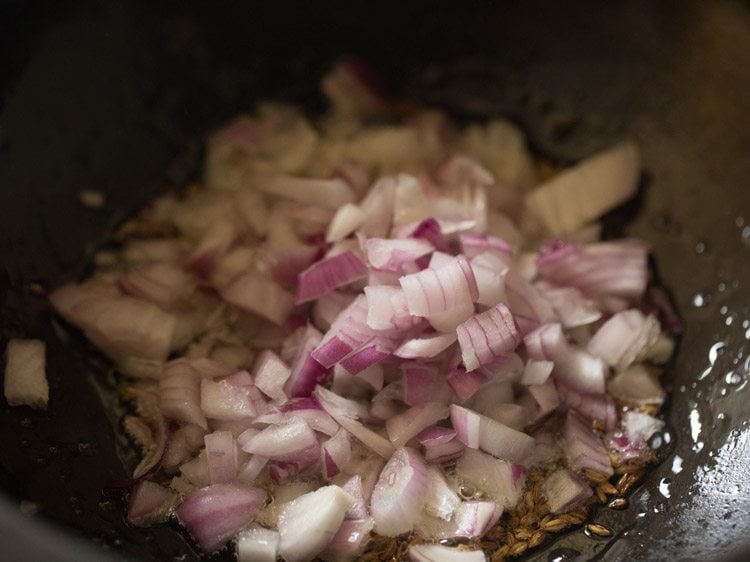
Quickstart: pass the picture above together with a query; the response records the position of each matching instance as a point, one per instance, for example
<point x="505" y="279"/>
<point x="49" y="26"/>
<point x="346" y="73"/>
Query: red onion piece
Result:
<point x="344" y="417"/>
<point x="473" y="245"/>
<point x="283" y="441"/>
<point x="441" y="501"/>
<point x="613" y="269"/>
<point x="624" y="338"/>
<point x="306" y="409"/>
<point x="400" y="493"/>
<point x="636" y="386"/>
<point x="473" y="519"/>
<point x="249" y="471"/>
<point x="270" y="375"/>
<point x="161" y="283"/>
<point x="149" y="503"/>
<point x="359" y="509"/>
<point x="487" y="336"/>
<point x="221" y="454"/>
<point x="564" y="491"/>
<point x="328" y="274"/>
<point x="584" y="447"/>
<point x="489" y="272"/>
<point x="387" y="308"/>
<point x="500" y="480"/>
<point x="181" y="445"/>
<point x="336" y="453"/>
<point x="572" y="308"/>
<point x="435" y="435"/>
<point x="214" y="514"/>
<point x="437" y="290"/>
<point x="477" y="431"/>
<point x="445" y="453"/>
<point x="346" y="220"/>
<point x="425" y="347"/>
<point x="403" y="427"/>
<point x="223" y="400"/>
<point x="422" y="383"/>
<point x="440" y="553"/>
<point x="394" y="254"/>
<point x="587" y="190"/>
<point x="259" y="295"/>
<point x="544" y="399"/>
<point x="308" y="523"/>
<point x="257" y="544"/>
<point x="25" y="377"/>
<point x="306" y="372"/>
<point x="537" y="371"/>
<point x="349" y="541"/>
<point x="465" y="384"/>
<point x="466" y="423"/>
<point x="179" y="398"/>
<point x="596" y="406"/>
<point x="526" y="302"/>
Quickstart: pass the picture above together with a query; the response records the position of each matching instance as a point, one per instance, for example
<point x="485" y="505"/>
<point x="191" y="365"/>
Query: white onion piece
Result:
<point x="25" y="377"/>
<point x="307" y="409"/>
<point x="440" y="553"/>
<point x="149" y="503"/>
<point x="543" y="399"/>
<point x="587" y="190"/>
<point x="212" y="246"/>
<point x="346" y="220"/>
<point x="308" y="523"/>
<point x="179" y="399"/>
<point x="377" y="206"/>
<point x="335" y="453"/>
<point x="487" y="337"/>
<point x="564" y="491"/>
<point x="596" y="406"/>
<point x="400" y="493"/>
<point x="387" y="308"/>
<point x="259" y="295"/>
<point x="214" y="514"/>
<point x="403" y="427"/>
<point x="500" y="480"/>
<point x="441" y="501"/>
<point x="196" y="470"/>
<point x="257" y="544"/>
<point x="270" y="375"/>
<point x="448" y="320"/>
<point x="248" y="472"/>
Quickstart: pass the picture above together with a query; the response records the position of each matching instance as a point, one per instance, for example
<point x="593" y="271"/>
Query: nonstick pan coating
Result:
<point x="117" y="96"/>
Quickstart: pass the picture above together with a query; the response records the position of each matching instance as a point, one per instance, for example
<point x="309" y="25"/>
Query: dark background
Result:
<point x="117" y="96"/>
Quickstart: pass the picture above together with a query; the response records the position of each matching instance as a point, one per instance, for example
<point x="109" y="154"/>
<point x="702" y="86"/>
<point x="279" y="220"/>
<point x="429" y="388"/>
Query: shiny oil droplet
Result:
<point x="701" y="300"/>
<point x="700" y="248"/>
<point x="677" y="464"/>
<point x="563" y="555"/>
<point x="664" y="487"/>
<point x="733" y="378"/>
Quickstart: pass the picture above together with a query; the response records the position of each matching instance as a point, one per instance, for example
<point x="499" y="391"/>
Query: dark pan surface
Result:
<point x="116" y="96"/>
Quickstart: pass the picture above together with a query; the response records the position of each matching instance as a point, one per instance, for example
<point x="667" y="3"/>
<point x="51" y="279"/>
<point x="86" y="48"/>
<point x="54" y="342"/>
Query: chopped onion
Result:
<point x="636" y="386"/>
<point x="425" y="347"/>
<point x="623" y="338"/>
<point x="349" y="541"/>
<point x="149" y="503"/>
<point x="403" y="427"/>
<point x="586" y="191"/>
<point x="347" y="219"/>
<point x="400" y="493"/>
<point x="435" y="435"/>
<point x="473" y="519"/>
<point x="306" y="372"/>
<point x="393" y="255"/>
<point x="257" y="544"/>
<point x="358" y="509"/>
<point x="465" y="384"/>
<point x="440" y="553"/>
<point x="336" y="453"/>
<point x="441" y="500"/>
<point x="284" y="441"/>
<point x="537" y="371"/>
<point x="442" y="289"/>
<point x="584" y="448"/>
<point x="500" y="480"/>
<point x="331" y="273"/>
<point x="271" y="374"/>
<point x="223" y="400"/>
<point x="25" y="378"/>
<point x="477" y="431"/>
<point x="564" y="491"/>
<point x="486" y="337"/>
<point x="214" y="514"/>
<point x="221" y="454"/>
<point x="261" y="296"/>
<point x="308" y="523"/>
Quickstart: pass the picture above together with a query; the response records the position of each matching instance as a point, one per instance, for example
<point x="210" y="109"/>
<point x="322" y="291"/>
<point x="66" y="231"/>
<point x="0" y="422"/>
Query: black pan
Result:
<point x="117" y="95"/>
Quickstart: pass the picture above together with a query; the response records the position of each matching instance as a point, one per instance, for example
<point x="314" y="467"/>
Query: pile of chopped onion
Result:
<point x="352" y="322"/>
